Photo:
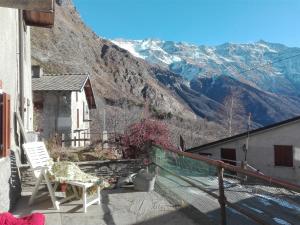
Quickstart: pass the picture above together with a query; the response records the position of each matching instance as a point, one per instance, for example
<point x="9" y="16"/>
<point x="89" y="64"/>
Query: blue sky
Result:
<point x="209" y="22"/>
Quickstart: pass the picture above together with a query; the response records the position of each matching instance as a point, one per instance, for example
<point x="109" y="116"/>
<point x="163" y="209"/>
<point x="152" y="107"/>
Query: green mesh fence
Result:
<point x="249" y="200"/>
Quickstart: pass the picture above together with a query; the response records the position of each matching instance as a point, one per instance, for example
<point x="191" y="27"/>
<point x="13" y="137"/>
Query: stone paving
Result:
<point x="118" y="207"/>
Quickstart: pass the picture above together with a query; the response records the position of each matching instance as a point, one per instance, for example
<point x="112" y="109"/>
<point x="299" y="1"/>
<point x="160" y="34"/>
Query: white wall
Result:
<point x="261" y="151"/>
<point x="9" y="65"/>
<point x="9" y="74"/>
<point x="83" y="123"/>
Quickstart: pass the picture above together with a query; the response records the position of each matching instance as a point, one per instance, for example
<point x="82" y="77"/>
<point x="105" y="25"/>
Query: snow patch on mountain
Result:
<point x="129" y="46"/>
<point x="257" y="64"/>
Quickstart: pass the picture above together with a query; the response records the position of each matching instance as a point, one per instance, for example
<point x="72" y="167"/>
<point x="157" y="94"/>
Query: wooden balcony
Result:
<point x="38" y="18"/>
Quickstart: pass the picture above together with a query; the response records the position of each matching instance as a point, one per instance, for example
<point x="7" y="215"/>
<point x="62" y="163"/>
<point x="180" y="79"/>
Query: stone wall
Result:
<point x="115" y="168"/>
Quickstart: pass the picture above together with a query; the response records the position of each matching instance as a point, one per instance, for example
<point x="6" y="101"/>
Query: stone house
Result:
<point x="15" y="89"/>
<point x="273" y="150"/>
<point x="62" y="104"/>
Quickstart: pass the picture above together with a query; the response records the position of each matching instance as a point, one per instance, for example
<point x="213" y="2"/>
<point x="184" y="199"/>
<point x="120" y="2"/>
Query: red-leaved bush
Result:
<point x="138" y="134"/>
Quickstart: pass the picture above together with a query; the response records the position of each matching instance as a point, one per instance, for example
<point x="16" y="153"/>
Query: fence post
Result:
<point x="222" y="198"/>
<point x="244" y="167"/>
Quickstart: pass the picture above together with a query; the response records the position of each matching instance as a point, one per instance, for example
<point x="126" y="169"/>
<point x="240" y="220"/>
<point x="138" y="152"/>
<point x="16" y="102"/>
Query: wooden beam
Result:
<point x="20" y="122"/>
<point x="36" y="5"/>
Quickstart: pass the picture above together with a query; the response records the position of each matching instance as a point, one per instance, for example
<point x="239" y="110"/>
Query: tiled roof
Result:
<point x="59" y="82"/>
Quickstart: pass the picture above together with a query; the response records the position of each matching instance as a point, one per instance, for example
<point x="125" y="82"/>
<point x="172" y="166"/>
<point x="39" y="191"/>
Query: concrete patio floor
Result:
<point x="118" y="207"/>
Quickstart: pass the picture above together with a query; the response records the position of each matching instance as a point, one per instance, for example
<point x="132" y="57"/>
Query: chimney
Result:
<point x="37" y="71"/>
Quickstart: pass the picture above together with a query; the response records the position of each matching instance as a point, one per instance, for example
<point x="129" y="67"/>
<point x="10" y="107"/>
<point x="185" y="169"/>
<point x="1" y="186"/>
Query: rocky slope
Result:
<point x="71" y="47"/>
<point x="118" y="77"/>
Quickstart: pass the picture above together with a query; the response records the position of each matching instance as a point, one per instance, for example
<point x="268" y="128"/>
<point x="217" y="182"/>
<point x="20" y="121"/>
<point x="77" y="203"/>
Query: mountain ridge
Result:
<point x="272" y="69"/>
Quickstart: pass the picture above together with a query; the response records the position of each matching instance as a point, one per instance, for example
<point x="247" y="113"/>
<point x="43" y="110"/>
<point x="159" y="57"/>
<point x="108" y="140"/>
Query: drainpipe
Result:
<point x="21" y="74"/>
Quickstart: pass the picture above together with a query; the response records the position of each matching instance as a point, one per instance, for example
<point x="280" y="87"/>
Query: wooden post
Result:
<point x="222" y="197"/>
<point x="244" y="167"/>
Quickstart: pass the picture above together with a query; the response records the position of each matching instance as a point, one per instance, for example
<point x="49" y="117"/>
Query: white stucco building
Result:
<point x="62" y="104"/>
<point x="274" y="150"/>
<point x="15" y="90"/>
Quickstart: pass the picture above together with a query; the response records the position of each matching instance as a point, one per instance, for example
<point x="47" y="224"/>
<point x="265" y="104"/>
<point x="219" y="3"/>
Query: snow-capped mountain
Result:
<point x="266" y="74"/>
<point x="267" y="66"/>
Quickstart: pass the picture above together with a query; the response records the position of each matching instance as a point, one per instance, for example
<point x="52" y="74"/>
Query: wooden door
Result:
<point x="228" y="155"/>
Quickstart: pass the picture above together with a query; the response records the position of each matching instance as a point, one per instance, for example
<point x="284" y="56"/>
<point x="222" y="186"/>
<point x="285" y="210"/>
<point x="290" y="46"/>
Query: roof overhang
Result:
<point x="35" y="5"/>
<point x="89" y="93"/>
<point x="244" y="135"/>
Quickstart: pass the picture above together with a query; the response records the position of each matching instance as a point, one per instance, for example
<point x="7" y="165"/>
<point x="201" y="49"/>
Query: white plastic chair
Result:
<point x="39" y="161"/>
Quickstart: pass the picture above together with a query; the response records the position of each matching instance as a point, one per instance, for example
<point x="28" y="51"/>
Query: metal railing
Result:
<point x="227" y="194"/>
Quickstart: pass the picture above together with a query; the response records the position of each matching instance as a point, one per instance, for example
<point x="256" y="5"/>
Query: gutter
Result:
<point x="21" y="65"/>
<point x="21" y="77"/>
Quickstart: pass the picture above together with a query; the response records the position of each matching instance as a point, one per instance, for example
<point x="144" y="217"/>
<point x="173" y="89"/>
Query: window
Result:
<point x="283" y="155"/>
<point x="76" y="96"/>
<point x="4" y="125"/>
<point x="228" y="155"/>
<point x="85" y="112"/>
<point x="77" y="118"/>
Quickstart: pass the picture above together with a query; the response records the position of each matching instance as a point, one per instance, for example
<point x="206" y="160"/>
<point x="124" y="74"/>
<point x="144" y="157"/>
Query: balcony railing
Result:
<point x="227" y="194"/>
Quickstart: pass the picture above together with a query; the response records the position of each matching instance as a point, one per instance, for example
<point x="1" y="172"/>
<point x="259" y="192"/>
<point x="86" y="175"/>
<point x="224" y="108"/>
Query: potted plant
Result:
<point x="144" y="180"/>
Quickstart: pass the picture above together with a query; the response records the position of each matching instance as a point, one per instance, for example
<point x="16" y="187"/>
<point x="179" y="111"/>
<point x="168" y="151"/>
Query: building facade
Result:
<point x="14" y="36"/>
<point x="62" y="105"/>
<point x="273" y="150"/>
<point x="15" y="94"/>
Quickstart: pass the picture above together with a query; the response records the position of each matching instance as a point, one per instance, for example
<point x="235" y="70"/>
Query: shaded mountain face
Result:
<point x="267" y="75"/>
<point x="266" y="108"/>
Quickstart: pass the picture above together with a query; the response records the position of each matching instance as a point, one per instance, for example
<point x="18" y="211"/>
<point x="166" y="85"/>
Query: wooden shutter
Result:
<point x="5" y="124"/>
<point x="283" y="155"/>
<point x="228" y="155"/>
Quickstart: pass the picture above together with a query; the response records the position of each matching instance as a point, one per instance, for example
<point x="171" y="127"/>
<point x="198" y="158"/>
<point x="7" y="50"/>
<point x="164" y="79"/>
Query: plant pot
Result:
<point x="144" y="181"/>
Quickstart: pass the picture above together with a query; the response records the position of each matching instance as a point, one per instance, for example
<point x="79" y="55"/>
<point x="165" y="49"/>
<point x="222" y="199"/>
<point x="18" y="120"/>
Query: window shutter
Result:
<point x="5" y="124"/>
<point x="283" y="155"/>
